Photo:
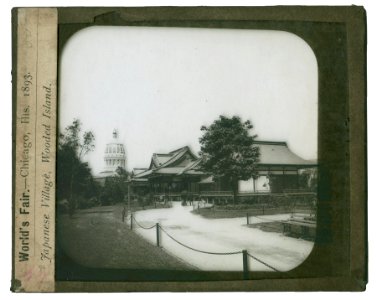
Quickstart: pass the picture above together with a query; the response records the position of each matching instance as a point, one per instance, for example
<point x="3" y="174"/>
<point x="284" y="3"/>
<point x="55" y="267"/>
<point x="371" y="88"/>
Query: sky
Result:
<point x="158" y="86"/>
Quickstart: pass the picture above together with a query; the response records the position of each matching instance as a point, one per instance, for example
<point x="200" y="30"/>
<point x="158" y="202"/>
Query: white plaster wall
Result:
<point x="261" y="185"/>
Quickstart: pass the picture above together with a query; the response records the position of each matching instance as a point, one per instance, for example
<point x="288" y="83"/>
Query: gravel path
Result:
<point x="222" y="236"/>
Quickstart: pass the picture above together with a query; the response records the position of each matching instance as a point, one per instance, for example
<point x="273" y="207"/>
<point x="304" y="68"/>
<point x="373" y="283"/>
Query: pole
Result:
<point x="128" y="196"/>
<point x="131" y="221"/>
<point x="247" y="218"/>
<point x="158" y="234"/>
<point x="245" y="265"/>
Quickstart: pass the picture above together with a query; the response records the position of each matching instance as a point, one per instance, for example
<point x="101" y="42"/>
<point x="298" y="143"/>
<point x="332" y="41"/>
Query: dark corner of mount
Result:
<point x="112" y="17"/>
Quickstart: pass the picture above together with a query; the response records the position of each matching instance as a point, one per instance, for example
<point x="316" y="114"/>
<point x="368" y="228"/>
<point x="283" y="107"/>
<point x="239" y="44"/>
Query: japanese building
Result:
<point x="178" y="174"/>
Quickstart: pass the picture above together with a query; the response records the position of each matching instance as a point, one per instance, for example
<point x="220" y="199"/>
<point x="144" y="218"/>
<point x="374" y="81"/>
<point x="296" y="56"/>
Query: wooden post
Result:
<point x="245" y="265"/>
<point x="124" y="214"/>
<point x="128" y="196"/>
<point x="158" y="234"/>
<point x="247" y="218"/>
<point x="131" y="222"/>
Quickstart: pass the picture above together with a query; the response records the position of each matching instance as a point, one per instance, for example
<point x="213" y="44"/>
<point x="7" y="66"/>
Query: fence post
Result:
<point x="131" y="222"/>
<point x="158" y="234"/>
<point x="245" y="265"/>
<point x="247" y="218"/>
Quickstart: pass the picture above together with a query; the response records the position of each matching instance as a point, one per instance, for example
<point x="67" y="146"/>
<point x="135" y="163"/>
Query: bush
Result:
<point x="83" y="202"/>
<point x="63" y="206"/>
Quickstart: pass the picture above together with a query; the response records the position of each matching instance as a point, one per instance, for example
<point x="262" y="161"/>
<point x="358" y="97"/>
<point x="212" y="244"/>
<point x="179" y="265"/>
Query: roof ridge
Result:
<point x="141" y="173"/>
<point x="179" y="149"/>
<point x="169" y="160"/>
<point x="270" y="143"/>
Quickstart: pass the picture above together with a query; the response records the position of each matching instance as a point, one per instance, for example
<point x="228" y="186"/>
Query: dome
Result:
<point x="115" y="154"/>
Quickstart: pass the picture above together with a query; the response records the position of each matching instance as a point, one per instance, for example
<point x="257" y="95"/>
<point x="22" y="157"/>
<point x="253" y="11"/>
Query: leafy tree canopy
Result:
<point x="227" y="150"/>
<point x="74" y="178"/>
<point x="71" y="139"/>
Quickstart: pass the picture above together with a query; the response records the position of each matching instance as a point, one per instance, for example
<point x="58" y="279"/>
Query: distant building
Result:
<point x="172" y="173"/>
<point x="178" y="172"/>
<point x="114" y="157"/>
<point x="278" y="169"/>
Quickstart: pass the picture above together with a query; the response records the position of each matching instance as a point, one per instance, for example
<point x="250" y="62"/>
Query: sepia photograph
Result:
<point x="189" y="149"/>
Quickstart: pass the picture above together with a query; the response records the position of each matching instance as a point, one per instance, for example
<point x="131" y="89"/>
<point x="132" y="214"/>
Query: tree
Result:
<point x="227" y="151"/>
<point x="74" y="175"/>
<point x="114" y="189"/>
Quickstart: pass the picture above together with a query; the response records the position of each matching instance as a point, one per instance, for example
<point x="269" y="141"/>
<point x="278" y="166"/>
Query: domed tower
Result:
<point x="115" y="155"/>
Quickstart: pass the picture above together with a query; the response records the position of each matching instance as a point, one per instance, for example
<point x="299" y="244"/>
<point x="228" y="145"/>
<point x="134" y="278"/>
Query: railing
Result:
<point x="245" y="253"/>
<point x="288" y="199"/>
<point x="285" y="193"/>
<point x="279" y="198"/>
<point x="172" y="194"/>
<point x="195" y="194"/>
<point x="216" y="194"/>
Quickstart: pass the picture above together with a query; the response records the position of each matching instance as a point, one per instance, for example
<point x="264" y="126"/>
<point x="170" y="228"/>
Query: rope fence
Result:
<point x="245" y="253"/>
<point x="197" y="250"/>
<point x="141" y="226"/>
<point x="262" y="262"/>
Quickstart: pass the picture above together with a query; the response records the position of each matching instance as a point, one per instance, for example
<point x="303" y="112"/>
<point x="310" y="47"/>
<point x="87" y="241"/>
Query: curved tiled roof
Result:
<point x="278" y="153"/>
<point x="271" y="154"/>
<point x="192" y="168"/>
<point x="167" y="170"/>
<point x="160" y="160"/>
<point x="143" y="174"/>
<point x="136" y="171"/>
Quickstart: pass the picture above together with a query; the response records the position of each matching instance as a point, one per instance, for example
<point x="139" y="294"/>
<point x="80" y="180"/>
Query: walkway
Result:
<point x="222" y="235"/>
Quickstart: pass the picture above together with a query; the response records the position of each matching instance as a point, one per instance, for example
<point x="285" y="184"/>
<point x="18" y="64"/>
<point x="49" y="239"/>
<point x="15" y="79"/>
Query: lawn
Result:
<point x="98" y="238"/>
